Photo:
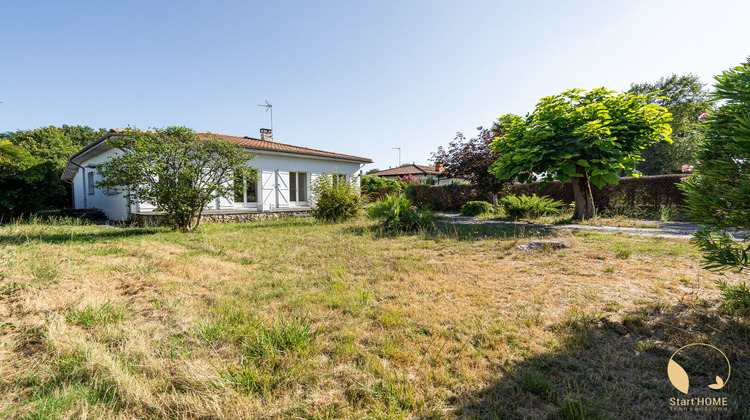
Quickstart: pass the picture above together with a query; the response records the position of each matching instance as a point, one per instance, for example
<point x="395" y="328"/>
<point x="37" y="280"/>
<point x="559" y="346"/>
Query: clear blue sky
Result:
<point x="357" y="77"/>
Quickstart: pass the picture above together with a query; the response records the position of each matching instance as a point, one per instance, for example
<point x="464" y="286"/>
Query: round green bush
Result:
<point x="475" y="208"/>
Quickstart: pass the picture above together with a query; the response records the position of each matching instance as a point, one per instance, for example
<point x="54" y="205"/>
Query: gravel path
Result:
<point x="678" y="230"/>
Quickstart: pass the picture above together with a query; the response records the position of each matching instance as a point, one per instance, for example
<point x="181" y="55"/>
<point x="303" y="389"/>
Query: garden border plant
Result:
<point x="400" y="214"/>
<point x="334" y="200"/>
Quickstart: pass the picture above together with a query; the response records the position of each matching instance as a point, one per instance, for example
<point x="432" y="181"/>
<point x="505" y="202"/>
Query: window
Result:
<point x="239" y="189"/>
<point x="339" y="179"/>
<point x="297" y="186"/>
<point x="245" y="191"/>
<point x="90" y="181"/>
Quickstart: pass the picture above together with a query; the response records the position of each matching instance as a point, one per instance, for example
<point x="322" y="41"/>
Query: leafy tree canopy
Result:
<point x="30" y="165"/>
<point x="584" y="137"/>
<point x="471" y="159"/>
<point x="176" y="170"/>
<point x="718" y="195"/>
<point x="685" y="98"/>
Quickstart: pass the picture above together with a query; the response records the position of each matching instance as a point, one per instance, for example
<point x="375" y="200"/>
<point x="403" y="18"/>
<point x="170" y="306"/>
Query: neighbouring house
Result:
<point x="286" y="173"/>
<point x="420" y="172"/>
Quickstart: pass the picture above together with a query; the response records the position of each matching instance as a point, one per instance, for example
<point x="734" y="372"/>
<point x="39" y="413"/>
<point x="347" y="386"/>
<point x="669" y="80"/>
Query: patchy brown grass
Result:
<point x="294" y="319"/>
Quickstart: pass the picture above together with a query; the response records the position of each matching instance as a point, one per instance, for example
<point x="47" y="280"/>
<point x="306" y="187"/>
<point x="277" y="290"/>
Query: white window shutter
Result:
<point x="310" y="195"/>
<point x="268" y="189"/>
<point x="282" y="188"/>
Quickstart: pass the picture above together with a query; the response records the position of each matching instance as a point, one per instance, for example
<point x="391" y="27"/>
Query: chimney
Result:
<point x="439" y="166"/>
<point x="265" y="134"/>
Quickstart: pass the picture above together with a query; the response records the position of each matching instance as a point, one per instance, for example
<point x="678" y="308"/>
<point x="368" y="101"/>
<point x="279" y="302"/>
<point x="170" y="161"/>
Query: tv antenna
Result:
<point x="399" y="155"/>
<point x="269" y="107"/>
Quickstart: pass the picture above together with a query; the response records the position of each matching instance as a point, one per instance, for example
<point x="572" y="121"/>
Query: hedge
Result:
<point x="445" y="197"/>
<point x="645" y="191"/>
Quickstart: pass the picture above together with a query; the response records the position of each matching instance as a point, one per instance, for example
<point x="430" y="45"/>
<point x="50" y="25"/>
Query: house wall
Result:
<point x="275" y="169"/>
<point x="273" y="187"/>
<point x="111" y="201"/>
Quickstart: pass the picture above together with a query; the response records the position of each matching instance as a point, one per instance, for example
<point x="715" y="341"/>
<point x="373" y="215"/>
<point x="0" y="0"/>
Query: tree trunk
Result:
<point x="198" y="218"/>
<point x="583" y="197"/>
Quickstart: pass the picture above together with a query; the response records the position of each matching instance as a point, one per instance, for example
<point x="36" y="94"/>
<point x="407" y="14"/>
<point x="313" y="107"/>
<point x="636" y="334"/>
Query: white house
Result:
<point x="286" y="173"/>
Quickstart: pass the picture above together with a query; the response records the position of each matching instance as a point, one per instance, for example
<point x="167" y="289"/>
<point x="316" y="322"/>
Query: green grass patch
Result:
<point x="93" y="315"/>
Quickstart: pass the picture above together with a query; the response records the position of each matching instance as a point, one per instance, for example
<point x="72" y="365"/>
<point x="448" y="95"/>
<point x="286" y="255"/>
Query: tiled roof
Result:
<point x="257" y="144"/>
<point x="406" y="170"/>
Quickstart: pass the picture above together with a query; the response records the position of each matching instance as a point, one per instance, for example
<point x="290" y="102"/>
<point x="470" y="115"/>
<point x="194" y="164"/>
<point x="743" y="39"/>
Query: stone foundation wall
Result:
<point x="155" y="219"/>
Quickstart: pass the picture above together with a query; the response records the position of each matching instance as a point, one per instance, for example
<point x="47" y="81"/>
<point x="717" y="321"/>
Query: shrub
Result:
<point x="372" y="184"/>
<point x="445" y="197"/>
<point x="400" y="214"/>
<point x="375" y="188"/>
<point x="736" y="297"/>
<point x="528" y="206"/>
<point x="719" y="191"/>
<point x="475" y="208"/>
<point x="334" y="200"/>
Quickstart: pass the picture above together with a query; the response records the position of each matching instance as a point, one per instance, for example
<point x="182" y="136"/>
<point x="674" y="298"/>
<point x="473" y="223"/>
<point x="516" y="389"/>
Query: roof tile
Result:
<point x="257" y="144"/>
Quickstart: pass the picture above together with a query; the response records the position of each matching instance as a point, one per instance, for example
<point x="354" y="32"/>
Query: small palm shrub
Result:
<point x="400" y="214"/>
<point x="529" y="206"/>
<point x="334" y="200"/>
<point x="475" y="208"/>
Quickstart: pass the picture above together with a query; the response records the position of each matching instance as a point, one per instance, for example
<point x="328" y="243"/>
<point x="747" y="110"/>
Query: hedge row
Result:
<point x="445" y="197"/>
<point x="646" y="191"/>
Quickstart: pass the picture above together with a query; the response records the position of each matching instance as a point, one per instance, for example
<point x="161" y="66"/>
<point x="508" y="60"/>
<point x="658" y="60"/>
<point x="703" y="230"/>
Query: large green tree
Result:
<point x="718" y="194"/>
<point x="30" y="165"/>
<point x="8" y="150"/>
<point x="684" y="97"/>
<point x="177" y="170"/>
<point x="592" y="137"/>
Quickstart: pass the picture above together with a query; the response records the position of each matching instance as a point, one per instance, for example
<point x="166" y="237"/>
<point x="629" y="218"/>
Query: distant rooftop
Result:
<point x="408" y="170"/>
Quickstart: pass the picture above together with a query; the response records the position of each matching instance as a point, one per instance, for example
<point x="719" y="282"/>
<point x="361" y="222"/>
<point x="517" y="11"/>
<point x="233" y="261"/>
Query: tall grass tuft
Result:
<point x="91" y="316"/>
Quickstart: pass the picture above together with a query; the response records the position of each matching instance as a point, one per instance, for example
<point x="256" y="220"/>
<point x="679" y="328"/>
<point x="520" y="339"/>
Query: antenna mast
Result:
<point x="399" y="154"/>
<point x="269" y="107"/>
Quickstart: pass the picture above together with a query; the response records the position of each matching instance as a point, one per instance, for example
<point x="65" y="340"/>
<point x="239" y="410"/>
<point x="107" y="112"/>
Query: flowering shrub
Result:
<point x="409" y="179"/>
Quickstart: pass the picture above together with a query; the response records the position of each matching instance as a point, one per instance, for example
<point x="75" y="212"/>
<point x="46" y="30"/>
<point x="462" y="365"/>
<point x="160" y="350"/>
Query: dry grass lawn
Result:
<point x="295" y="319"/>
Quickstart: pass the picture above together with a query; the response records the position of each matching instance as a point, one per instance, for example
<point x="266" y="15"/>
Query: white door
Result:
<point x="282" y="188"/>
<point x="268" y="190"/>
